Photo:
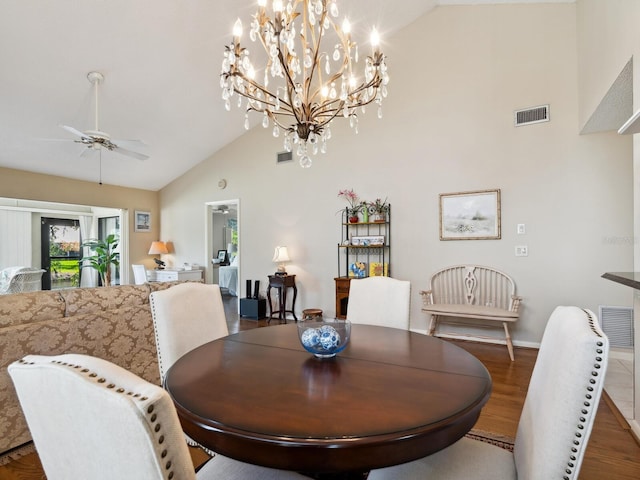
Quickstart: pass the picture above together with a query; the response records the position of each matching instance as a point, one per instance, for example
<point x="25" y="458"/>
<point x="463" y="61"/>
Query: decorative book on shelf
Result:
<point x="358" y="270"/>
<point x="378" y="269"/>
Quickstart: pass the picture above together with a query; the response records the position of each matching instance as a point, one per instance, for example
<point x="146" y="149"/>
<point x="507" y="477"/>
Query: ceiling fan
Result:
<point x="96" y="139"/>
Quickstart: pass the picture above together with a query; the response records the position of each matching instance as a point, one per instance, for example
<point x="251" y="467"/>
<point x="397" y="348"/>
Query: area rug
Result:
<point x="501" y="441"/>
<point x="17" y="453"/>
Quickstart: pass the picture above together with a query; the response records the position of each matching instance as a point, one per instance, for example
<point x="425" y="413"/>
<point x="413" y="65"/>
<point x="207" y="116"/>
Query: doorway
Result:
<point x="223" y="248"/>
<point x="60" y="253"/>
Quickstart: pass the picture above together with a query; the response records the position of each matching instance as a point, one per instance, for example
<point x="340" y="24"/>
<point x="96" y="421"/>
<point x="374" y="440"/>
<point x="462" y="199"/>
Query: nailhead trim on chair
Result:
<point x="190" y="442"/>
<point x="595" y="378"/>
<point x="155" y="333"/>
<point x="152" y="416"/>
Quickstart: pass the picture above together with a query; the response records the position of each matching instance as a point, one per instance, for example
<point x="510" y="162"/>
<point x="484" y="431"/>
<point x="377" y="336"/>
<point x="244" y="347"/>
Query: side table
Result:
<point x="342" y="296"/>
<point x="282" y="283"/>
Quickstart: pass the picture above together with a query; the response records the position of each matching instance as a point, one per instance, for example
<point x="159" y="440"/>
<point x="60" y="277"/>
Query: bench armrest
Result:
<point x="427" y="297"/>
<point x="515" y="303"/>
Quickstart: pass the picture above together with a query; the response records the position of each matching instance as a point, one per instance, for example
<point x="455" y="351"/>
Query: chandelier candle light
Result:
<point x="310" y="87"/>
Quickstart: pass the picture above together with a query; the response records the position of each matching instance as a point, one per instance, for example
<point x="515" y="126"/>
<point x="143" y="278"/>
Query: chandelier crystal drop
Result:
<point x="304" y="86"/>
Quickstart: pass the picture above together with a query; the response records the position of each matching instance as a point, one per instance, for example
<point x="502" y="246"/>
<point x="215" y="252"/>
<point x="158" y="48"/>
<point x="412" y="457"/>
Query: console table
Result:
<point x="282" y="283"/>
<point x="172" y="275"/>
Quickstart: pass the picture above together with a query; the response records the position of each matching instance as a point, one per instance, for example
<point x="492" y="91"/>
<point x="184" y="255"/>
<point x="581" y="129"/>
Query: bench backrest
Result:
<point x="473" y="285"/>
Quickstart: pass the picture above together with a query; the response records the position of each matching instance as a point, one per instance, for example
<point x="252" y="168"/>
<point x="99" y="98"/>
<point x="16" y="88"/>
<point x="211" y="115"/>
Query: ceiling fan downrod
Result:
<point x="96" y="78"/>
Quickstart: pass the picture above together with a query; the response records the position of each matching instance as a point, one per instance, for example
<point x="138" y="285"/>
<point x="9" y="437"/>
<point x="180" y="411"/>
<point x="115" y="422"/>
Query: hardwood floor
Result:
<point x="612" y="452"/>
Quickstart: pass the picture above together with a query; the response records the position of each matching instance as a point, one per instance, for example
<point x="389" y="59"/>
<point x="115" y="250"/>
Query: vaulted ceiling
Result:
<point x="161" y="62"/>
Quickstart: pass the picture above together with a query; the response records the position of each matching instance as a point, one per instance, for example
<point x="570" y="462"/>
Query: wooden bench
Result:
<point x="471" y="292"/>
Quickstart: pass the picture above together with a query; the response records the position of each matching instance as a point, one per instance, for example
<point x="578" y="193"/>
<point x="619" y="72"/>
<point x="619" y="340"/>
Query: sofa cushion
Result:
<point x="92" y="300"/>
<point x="30" y="307"/>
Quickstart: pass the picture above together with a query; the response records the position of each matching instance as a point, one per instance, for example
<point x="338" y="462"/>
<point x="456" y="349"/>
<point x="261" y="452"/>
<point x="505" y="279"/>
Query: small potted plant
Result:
<point x="354" y="204"/>
<point x="379" y="210"/>
<point x="104" y="257"/>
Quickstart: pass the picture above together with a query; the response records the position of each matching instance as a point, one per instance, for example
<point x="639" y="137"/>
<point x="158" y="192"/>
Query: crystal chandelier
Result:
<point x="304" y="88"/>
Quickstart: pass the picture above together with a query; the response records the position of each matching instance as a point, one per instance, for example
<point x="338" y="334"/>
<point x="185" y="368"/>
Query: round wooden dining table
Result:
<point x="391" y="396"/>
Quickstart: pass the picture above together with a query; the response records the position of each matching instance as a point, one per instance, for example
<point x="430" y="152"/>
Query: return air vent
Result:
<point x="617" y="323"/>
<point x="284" y="157"/>
<point x="531" y="115"/>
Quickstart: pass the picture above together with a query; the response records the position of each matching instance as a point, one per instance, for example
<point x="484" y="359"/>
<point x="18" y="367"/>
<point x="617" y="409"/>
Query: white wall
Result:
<point x="457" y="75"/>
<point x="608" y="38"/>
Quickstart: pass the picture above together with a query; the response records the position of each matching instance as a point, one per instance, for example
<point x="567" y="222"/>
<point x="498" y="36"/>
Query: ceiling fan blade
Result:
<point x="55" y="140"/>
<point x="130" y="153"/>
<point x="130" y="142"/>
<point x="74" y="131"/>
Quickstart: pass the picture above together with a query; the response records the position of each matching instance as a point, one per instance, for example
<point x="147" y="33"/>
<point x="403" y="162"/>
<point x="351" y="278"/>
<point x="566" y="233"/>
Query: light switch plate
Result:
<point x="522" y="251"/>
<point x="521" y="229"/>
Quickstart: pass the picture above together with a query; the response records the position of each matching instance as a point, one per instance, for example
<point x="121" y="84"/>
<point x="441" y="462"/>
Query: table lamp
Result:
<point x="158" y="248"/>
<point x="281" y="255"/>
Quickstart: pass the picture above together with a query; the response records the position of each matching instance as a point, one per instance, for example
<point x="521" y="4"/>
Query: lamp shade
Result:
<point x="280" y="255"/>
<point x="158" y="248"/>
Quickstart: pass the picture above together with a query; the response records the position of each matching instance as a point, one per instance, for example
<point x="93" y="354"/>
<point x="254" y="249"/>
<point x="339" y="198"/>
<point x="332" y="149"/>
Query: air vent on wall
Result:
<point x="617" y="323"/>
<point x="284" y="157"/>
<point x="531" y="115"/>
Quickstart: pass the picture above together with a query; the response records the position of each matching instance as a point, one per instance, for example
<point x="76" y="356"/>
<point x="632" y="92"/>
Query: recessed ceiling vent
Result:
<point x="284" y="157"/>
<point x="531" y="115"/>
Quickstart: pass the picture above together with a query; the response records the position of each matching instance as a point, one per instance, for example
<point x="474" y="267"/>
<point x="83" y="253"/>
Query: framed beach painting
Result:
<point x="470" y="215"/>
<point x="142" y="221"/>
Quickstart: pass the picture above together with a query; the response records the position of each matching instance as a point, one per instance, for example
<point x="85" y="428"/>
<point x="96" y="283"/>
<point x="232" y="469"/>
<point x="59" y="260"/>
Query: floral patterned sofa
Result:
<point x="113" y="323"/>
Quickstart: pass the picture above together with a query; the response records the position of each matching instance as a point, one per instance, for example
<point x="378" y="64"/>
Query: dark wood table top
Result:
<point x="390" y="397"/>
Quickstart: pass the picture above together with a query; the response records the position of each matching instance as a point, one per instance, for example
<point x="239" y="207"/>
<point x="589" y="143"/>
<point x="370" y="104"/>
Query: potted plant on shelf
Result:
<point x="354" y="204"/>
<point x="104" y="257"/>
<point x="379" y="210"/>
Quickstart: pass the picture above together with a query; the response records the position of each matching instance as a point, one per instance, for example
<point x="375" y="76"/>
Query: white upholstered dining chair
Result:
<point x="139" y="274"/>
<point x="93" y="420"/>
<point x="381" y="301"/>
<point x="186" y="316"/>
<point x="556" y="420"/>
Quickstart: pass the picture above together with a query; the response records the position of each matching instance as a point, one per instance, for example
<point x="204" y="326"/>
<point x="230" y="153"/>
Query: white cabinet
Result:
<point x="169" y="275"/>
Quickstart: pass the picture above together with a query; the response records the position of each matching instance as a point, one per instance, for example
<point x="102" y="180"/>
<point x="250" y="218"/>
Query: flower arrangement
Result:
<point x="379" y="207"/>
<point x="351" y="197"/>
<point x="355" y="205"/>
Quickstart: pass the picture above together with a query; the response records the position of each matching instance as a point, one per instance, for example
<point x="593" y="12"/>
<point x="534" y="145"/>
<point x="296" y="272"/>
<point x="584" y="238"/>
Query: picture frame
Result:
<point x="222" y="256"/>
<point x="367" y="241"/>
<point x="142" y="221"/>
<point x="471" y="215"/>
<point x="378" y="269"/>
<point x="358" y="270"/>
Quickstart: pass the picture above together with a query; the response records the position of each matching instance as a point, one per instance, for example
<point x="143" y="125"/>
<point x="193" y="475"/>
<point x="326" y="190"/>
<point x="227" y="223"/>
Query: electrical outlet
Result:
<point x="521" y="229"/>
<point x="522" y="251"/>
